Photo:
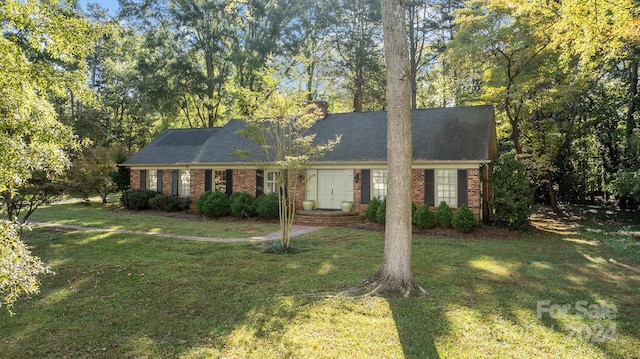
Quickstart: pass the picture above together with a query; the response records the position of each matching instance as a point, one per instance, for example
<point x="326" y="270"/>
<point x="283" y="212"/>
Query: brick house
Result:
<point x="452" y="148"/>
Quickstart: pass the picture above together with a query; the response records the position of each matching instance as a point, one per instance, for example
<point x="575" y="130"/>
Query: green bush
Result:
<point x="242" y="204"/>
<point x="381" y="212"/>
<point x="463" y="220"/>
<point x="512" y="200"/>
<point x="137" y="198"/>
<point x="214" y="204"/>
<point x="414" y="208"/>
<point x="370" y="211"/>
<point x="424" y="217"/>
<point x="162" y="202"/>
<point x="444" y="215"/>
<point x="267" y="206"/>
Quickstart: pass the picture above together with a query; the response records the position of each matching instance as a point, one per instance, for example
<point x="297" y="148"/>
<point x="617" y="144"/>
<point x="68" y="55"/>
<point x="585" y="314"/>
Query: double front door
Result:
<point x="331" y="187"/>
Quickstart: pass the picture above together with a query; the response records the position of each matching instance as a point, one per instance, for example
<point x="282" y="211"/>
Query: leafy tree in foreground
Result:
<point x="43" y="45"/>
<point x="18" y="268"/>
<point x="280" y="126"/>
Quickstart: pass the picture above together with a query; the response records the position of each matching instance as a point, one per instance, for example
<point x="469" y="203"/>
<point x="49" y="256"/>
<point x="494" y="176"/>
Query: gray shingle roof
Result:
<point x="442" y="134"/>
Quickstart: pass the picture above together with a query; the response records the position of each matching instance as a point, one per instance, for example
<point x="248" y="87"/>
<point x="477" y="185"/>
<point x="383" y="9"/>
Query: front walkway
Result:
<point x="295" y="231"/>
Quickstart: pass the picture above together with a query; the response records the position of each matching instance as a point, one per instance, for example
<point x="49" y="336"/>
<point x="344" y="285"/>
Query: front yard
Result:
<point x="560" y="291"/>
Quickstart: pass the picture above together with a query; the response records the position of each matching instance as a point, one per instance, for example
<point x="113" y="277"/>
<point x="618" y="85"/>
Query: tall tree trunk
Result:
<point x="395" y="274"/>
<point x="631" y="110"/>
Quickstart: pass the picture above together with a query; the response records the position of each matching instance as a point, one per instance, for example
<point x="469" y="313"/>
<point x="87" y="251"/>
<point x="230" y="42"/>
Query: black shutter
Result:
<point x="174" y="183"/>
<point x="429" y="188"/>
<point x="462" y="188"/>
<point x="229" y="182"/>
<point x="207" y="180"/>
<point x="159" y="176"/>
<point x="365" y="189"/>
<point x="259" y="182"/>
<point x="143" y="179"/>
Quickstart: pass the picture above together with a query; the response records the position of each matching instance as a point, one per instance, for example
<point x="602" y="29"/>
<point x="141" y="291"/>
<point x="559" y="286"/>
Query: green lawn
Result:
<point x="111" y="216"/>
<point x="125" y="296"/>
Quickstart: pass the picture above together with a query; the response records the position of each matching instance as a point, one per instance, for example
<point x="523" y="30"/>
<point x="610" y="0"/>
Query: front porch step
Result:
<point x="326" y="218"/>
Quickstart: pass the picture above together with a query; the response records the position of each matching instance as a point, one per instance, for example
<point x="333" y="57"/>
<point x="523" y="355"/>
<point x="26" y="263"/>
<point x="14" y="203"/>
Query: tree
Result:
<point x="19" y="269"/>
<point x="92" y="171"/>
<point x="395" y="274"/>
<point x="358" y="59"/>
<point x="43" y="47"/>
<point x="280" y="126"/>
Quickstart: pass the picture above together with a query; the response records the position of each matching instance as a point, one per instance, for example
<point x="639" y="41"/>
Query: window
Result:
<point x="152" y="180"/>
<point x="185" y="183"/>
<point x="271" y="182"/>
<point x="379" y="181"/>
<point x="446" y="187"/>
<point x="220" y="181"/>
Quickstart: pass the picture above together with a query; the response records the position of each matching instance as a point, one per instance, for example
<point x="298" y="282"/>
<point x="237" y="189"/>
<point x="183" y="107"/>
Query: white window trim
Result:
<point x="374" y="192"/>
<point x="271" y="186"/>
<point x="152" y="180"/>
<point x="438" y="199"/>
<point x="184" y="187"/>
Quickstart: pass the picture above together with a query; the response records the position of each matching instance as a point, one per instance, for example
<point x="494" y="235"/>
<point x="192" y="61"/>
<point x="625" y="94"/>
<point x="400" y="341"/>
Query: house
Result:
<point x="452" y="148"/>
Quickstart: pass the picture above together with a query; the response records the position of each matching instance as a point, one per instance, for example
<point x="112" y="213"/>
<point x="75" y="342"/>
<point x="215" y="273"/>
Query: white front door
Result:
<point x="334" y="186"/>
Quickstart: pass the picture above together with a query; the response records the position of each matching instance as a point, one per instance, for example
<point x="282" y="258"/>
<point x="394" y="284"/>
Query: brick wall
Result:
<point x="244" y="180"/>
<point x="196" y="185"/>
<point x="473" y="191"/>
<point x="417" y="187"/>
<point x="134" y="176"/>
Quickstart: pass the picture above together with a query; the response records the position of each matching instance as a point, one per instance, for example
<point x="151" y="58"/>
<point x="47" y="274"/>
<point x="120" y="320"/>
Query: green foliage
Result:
<point x="92" y="171"/>
<point x="30" y="195"/>
<point x="463" y="220"/>
<point x="511" y="202"/>
<point x="444" y="213"/>
<point x="242" y="204"/>
<point x="372" y="208"/>
<point x="424" y="217"/>
<point x="19" y="270"/>
<point x="214" y="204"/>
<point x="162" y="202"/>
<point x="122" y="176"/>
<point x="137" y="198"/>
<point x="627" y="184"/>
<point x="381" y="212"/>
<point x="267" y="206"/>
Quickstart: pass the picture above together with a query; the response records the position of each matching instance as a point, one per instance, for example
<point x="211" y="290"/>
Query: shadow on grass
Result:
<point x="126" y="296"/>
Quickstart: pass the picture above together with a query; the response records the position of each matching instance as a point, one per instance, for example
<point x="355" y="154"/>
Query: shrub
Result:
<point x="137" y="198"/>
<point x="267" y="206"/>
<point x="512" y="199"/>
<point x="424" y="217"/>
<point x="214" y="204"/>
<point x="241" y="204"/>
<point x="463" y="220"/>
<point x="381" y="212"/>
<point x="414" y="208"/>
<point x="166" y="203"/>
<point x="444" y="215"/>
<point x="370" y="211"/>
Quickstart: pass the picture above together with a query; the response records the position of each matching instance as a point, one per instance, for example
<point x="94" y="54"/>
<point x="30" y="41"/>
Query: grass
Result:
<point x="125" y="296"/>
<point x="110" y="216"/>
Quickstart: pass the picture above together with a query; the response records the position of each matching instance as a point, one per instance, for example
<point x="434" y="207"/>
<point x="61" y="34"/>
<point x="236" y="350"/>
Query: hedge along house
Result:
<point x="452" y="148"/>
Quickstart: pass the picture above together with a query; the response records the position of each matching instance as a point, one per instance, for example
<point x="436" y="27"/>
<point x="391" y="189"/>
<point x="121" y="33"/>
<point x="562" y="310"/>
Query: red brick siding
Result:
<point x="196" y="185"/>
<point x="134" y="176"/>
<point x="244" y="180"/>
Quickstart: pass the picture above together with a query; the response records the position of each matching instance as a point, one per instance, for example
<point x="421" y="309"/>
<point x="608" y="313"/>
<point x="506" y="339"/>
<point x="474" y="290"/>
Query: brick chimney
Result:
<point x="323" y="107"/>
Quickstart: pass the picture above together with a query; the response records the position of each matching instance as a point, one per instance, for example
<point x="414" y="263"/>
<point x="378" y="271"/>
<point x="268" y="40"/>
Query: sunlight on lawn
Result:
<point x="328" y="328"/>
<point x="492" y="266"/>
